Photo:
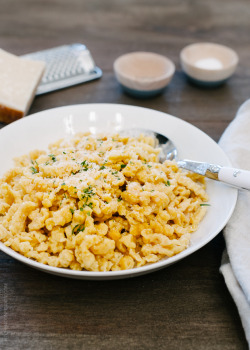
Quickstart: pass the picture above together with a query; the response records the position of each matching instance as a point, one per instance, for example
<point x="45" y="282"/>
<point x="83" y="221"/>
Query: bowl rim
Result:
<point x="167" y="75"/>
<point x="229" y="50"/>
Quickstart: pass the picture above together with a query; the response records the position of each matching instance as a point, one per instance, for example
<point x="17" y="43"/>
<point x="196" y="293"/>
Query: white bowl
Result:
<point x="143" y="74"/>
<point x="208" y="64"/>
<point x="39" y="130"/>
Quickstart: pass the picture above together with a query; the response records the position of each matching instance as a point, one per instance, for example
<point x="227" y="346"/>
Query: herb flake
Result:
<point x="34" y="170"/>
<point x="123" y="166"/>
<point x="78" y="228"/>
<point x="53" y="157"/>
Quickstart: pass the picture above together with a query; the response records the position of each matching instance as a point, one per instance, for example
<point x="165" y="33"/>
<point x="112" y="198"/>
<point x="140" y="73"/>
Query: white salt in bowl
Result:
<point x="208" y="64"/>
<point x="143" y="74"/>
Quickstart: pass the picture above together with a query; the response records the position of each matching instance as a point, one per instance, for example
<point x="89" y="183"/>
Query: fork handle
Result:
<point x="236" y="177"/>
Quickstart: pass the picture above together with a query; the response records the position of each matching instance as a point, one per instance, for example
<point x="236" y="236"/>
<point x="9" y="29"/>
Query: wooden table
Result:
<point x="187" y="305"/>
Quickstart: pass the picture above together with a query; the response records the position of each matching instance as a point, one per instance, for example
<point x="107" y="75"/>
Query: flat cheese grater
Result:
<point x="66" y="65"/>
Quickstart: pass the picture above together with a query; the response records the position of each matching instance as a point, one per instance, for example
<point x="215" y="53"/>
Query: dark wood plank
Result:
<point x="187" y="305"/>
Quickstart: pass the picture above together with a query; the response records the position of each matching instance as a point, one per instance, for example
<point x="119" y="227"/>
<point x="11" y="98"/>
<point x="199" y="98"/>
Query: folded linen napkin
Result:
<point x="235" y="266"/>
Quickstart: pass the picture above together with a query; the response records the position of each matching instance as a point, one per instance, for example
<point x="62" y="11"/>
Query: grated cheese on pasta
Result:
<point x="99" y="203"/>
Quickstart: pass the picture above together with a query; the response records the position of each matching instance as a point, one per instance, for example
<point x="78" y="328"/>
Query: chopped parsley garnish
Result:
<point x="34" y="170"/>
<point x="78" y="228"/>
<point x="123" y="166"/>
<point x="63" y="184"/>
<point x="102" y="167"/>
<point x="85" y="165"/>
<point x="119" y="199"/>
<point x="88" y="191"/>
<point x="87" y="194"/>
<point x="205" y="205"/>
<point x="90" y="205"/>
<point x="53" y="157"/>
<point x="72" y="211"/>
<point x="167" y="183"/>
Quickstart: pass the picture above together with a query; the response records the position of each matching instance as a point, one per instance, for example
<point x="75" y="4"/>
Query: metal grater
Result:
<point x="66" y="65"/>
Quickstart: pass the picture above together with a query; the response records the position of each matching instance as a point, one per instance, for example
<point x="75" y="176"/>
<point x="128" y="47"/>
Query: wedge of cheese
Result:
<point x="19" y="79"/>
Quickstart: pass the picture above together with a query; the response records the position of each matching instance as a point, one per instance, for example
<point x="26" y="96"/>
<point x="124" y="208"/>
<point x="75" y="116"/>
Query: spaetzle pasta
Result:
<point x="99" y="203"/>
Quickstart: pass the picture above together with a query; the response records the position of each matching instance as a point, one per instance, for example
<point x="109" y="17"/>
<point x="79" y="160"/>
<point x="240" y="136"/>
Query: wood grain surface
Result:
<point x="187" y="305"/>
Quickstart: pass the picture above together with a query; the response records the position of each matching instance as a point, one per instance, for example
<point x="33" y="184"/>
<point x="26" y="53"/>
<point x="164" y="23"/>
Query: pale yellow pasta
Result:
<point x="101" y="203"/>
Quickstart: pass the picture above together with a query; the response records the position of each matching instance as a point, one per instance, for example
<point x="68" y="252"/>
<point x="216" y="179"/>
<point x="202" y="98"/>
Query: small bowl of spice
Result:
<point x="143" y="74"/>
<point x="208" y="64"/>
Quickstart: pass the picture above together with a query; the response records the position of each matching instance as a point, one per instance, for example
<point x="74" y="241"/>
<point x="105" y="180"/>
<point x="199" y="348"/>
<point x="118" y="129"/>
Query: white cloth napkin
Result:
<point x="235" y="267"/>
